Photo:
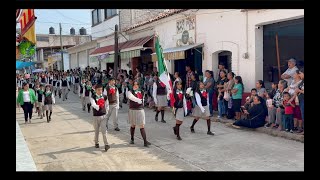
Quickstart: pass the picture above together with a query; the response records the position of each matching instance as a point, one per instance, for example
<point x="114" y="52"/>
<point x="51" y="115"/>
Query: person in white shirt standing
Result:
<point x="288" y="74"/>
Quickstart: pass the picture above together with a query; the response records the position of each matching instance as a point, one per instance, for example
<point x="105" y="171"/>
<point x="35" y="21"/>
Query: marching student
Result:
<point x="113" y="101"/>
<point x="136" y="112"/>
<point x="39" y="104"/>
<point x="180" y="106"/>
<point x="76" y="81"/>
<point x="54" y="85"/>
<point x="58" y="86"/>
<point x="88" y="94"/>
<point x="201" y="109"/>
<point x="26" y="99"/>
<point x="65" y="87"/>
<point x="160" y="97"/>
<point x="120" y="90"/>
<point x="48" y="100"/>
<point x="99" y="109"/>
<point x="81" y="94"/>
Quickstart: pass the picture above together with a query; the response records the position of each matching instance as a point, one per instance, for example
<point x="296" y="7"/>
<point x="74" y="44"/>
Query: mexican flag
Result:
<point x="162" y="68"/>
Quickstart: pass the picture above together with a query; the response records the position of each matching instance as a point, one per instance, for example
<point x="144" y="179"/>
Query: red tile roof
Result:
<point x="168" y="13"/>
<point x="124" y="45"/>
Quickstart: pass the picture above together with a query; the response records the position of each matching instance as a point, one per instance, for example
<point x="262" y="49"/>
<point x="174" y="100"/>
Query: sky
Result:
<point x="68" y="18"/>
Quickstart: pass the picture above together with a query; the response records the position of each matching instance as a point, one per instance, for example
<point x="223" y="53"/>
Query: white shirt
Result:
<point x="290" y="72"/>
<point x="269" y="103"/>
<point x="26" y="96"/>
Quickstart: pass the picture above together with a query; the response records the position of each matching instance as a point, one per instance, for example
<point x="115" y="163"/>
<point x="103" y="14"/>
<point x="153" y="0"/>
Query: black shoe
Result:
<point x="49" y="118"/>
<point x="179" y="138"/>
<point x="131" y="141"/>
<point x="96" y="146"/>
<point x="163" y="121"/>
<point x="147" y="144"/>
<point x="84" y="109"/>
<point x="210" y="133"/>
<point x="192" y="130"/>
<point x="120" y="106"/>
<point x="156" y="118"/>
<point x="106" y="147"/>
<point x="295" y="128"/>
<point x="117" y="129"/>
<point x="174" y="130"/>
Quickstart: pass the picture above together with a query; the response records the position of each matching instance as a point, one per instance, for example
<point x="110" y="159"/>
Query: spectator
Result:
<point x="261" y="90"/>
<point x="188" y="76"/>
<point x="229" y="87"/>
<point x="221" y="89"/>
<point x="297" y="113"/>
<point x="237" y="92"/>
<point x="249" y="99"/>
<point x="209" y="86"/>
<point x="271" y="110"/>
<point x="130" y="74"/>
<point x="221" y="67"/>
<point x="110" y="72"/>
<point x="255" y="114"/>
<point x="277" y="100"/>
<point x="300" y="93"/>
<point x="292" y="68"/>
<point x="274" y="87"/>
<point x="288" y="112"/>
<point x="176" y="79"/>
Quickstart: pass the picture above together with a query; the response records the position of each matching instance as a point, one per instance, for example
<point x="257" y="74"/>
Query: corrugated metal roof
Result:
<point x="160" y="16"/>
<point x="124" y="45"/>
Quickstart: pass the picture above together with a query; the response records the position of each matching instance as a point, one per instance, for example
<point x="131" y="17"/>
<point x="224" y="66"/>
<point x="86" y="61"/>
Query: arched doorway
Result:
<point x="224" y="57"/>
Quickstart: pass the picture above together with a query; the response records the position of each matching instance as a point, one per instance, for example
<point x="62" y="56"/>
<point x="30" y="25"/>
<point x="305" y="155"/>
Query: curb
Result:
<point x="269" y="131"/>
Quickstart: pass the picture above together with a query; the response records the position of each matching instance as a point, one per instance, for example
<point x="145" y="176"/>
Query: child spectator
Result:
<point x="249" y="99"/>
<point x="271" y="110"/>
<point x="288" y="112"/>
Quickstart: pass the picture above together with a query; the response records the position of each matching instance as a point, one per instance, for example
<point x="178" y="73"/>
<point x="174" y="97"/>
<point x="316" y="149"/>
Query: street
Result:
<point x="66" y="144"/>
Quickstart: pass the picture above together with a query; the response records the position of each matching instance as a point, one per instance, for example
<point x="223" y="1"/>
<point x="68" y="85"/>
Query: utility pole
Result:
<point x="116" y="52"/>
<point x="62" y="66"/>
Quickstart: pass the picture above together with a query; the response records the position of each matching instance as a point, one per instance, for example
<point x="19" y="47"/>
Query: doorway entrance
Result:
<point x="224" y="57"/>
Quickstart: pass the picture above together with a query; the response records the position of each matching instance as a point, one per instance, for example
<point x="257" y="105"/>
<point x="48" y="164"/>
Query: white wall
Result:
<point x="105" y="27"/>
<point x="83" y="63"/>
<point x="222" y="30"/>
<point x="73" y="61"/>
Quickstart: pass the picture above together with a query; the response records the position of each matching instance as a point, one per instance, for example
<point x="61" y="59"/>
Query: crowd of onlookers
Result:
<point x="280" y="107"/>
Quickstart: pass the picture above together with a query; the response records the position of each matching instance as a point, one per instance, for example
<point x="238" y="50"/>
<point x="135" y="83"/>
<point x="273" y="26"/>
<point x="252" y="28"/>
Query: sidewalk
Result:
<point x="269" y="131"/>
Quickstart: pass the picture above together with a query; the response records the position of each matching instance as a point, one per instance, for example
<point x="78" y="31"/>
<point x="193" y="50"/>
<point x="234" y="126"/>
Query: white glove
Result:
<point x="188" y="91"/>
<point x="168" y="96"/>
<point x="202" y="109"/>
<point x="140" y="101"/>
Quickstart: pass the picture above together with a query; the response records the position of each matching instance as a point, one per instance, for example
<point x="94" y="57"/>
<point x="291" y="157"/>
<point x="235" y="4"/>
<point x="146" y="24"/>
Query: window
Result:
<point x="41" y="38"/>
<point x="95" y="17"/>
<point x="109" y="13"/>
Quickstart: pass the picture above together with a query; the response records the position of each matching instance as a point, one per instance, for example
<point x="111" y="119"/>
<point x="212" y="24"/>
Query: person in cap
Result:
<point x="136" y="112"/>
<point x="288" y="74"/>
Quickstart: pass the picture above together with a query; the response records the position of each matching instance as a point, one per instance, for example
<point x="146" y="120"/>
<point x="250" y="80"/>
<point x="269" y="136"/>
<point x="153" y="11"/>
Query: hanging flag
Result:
<point x="163" y="74"/>
<point x="27" y="22"/>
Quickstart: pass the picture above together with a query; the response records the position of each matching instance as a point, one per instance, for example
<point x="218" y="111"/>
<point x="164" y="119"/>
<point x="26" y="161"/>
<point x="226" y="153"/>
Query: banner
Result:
<point x="27" y="20"/>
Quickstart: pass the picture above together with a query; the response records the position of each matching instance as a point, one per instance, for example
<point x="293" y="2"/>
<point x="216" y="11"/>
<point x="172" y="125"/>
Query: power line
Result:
<point x="61" y="23"/>
<point x="70" y="17"/>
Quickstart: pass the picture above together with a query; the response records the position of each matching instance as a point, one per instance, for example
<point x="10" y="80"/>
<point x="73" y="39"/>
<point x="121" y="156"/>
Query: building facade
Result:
<point x="243" y="40"/>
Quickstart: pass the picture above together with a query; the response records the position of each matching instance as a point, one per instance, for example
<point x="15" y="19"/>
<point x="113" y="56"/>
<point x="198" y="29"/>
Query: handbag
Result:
<point x="226" y="96"/>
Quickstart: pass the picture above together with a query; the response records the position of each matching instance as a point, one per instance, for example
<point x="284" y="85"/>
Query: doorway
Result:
<point x="290" y="45"/>
<point x="224" y="57"/>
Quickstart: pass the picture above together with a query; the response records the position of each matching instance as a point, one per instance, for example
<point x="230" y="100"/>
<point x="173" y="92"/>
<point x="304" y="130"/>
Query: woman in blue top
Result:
<point x="237" y="92"/>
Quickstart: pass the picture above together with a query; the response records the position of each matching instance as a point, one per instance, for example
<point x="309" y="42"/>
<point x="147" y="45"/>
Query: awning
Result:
<point x="176" y="52"/>
<point x="128" y="50"/>
<point x="21" y="64"/>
